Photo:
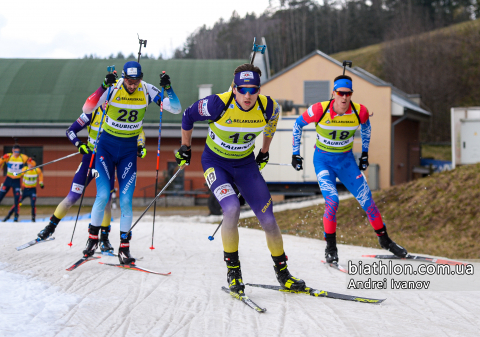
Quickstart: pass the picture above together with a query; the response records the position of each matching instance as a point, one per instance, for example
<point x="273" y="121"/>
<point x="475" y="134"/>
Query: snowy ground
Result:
<point x="40" y="298"/>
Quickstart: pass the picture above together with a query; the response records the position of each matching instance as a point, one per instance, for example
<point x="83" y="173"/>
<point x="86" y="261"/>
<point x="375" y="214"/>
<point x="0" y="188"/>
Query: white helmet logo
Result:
<point x="131" y="71"/>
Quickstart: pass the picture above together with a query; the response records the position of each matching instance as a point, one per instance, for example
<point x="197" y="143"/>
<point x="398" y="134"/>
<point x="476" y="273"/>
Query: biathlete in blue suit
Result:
<point x="336" y="122"/>
<point x="236" y="119"/>
<point x="117" y="148"/>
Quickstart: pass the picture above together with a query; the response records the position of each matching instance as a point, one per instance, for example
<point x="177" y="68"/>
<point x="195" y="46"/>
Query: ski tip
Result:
<point x="368" y="255"/>
<point x="211" y="238"/>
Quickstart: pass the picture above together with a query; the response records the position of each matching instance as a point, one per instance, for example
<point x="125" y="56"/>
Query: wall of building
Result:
<point x="377" y="99"/>
<point x="407" y="150"/>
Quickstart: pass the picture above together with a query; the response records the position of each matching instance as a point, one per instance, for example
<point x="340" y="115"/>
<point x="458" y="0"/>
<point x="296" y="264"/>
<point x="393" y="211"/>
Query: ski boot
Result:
<point x="49" y="229"/>
<point x="15" y="219"/>
<point x="6" y="218"/>
<point x="105" y="245"/>
<point x="124" y="251"/>
<point x="92" y="242"/>
<point x="389" y="244"/>
<point x="284" y="277"/>
<point x="331" y="251"/>
<point x="234" y="273"/>
<point x="33" y="218"/>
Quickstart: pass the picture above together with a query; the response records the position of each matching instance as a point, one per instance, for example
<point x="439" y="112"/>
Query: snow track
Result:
<point x="40" y="298"/>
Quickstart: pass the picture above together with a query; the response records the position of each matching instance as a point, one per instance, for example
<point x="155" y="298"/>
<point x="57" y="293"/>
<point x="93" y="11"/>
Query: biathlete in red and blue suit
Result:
<point x="236" y="119"/>
<point x="336" y="122"/>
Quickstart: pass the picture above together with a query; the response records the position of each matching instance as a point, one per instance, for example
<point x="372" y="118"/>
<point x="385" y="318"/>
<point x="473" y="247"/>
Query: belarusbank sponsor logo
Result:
<point x="247" y="120"/>
<point x="129" y="183"/>
<point x="131" y="98"/>
<point x="229" y="121"/>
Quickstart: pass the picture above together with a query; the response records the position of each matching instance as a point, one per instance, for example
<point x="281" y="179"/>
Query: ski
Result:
<point x="81" y="261"/>
<point x="114" y="254"/>
<point x="33" y="242"/>
<point x="335" y="265"/>
<point x="245" y="299"/>
<point x="418" y="258"/>
<point x="134" y="267"/>
<point x="320" y="293"/>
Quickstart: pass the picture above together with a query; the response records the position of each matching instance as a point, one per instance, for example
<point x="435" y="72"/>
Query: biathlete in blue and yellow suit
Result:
<point x="336" y="122"/>
<point x="236" y="119"/>
<point x="117" y="148"/>
<point x="15" y="162"/>
<point x="91" y="121"/>
<point x="29" y="186"/>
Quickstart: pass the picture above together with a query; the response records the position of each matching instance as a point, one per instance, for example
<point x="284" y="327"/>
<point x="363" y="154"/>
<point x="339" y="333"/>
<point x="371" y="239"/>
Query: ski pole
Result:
<point x="211" y="237"/>
<point x="158" y="162"/>
<point x="279" y="164"/>
<point x="154" y="200"/>
<point x="110" y="69"/>
<point x="50" y="162"/>
<point x="142" y="43"/>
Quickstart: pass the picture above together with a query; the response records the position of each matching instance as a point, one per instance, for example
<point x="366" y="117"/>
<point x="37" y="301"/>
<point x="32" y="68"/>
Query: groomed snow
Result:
<point x="40" y="298"/>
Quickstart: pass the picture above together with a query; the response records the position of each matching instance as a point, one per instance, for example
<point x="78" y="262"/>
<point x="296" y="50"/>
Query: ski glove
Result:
<point x="42" y="185"/>
<point x="183" y="155"/>
<point x="262" y="159"/>
<point x="141" y="151"/>
<point x="110" y="80"/>
<point x="165" y="80"/>
<point x="82" y="148"/>
<point x="363" y="161"/>
<point x="297" y="162"/>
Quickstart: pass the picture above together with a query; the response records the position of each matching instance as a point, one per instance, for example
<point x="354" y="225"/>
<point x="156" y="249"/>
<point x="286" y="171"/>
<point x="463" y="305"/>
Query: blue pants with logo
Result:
<point x="120" y="154"/>
<point x="221" y="174"/>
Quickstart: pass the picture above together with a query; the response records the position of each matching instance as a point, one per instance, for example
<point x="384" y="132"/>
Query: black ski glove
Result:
<point x="363" y="161"/>
<point x="262" y="159"/>
<point x="110" y="80"/>
<point x="165" y="80"/>
<point x="183" y="155"/>
<point x="297" y="162"/>
<point x="141" y="151"/>
<point x="82" y="148"/>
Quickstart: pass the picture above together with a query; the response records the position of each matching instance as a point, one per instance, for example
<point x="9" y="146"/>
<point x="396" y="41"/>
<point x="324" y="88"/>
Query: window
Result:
<point x="316" y="91"/>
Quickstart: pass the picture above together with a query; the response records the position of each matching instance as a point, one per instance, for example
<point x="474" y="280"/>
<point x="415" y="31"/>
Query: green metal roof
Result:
<point x="54" y="90"/>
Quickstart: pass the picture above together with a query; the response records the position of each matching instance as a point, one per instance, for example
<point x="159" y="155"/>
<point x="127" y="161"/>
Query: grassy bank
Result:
<point x="437" y="215"/>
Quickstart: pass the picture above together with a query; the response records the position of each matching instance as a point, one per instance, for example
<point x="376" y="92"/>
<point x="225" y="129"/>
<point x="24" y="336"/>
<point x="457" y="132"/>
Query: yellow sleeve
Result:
<point x="271" y="127"/>
<point x="40" y="175"/>
<point x="141" y="139"/>
<point x="24" y="158"/>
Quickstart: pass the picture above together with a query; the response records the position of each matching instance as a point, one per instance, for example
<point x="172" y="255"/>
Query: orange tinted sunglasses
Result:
<point x="344" y="93"/>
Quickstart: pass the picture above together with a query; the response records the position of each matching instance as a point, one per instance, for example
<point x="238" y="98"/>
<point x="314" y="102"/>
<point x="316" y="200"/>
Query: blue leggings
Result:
<point x="329" y="166"/>
<point x="120" y="154"/>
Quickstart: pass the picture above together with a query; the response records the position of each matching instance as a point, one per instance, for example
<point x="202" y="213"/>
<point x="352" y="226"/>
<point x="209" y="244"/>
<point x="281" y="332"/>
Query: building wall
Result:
<point x="58" y="176"/>
<point x="377" y="99"/>
<point x="407" y="150"/>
